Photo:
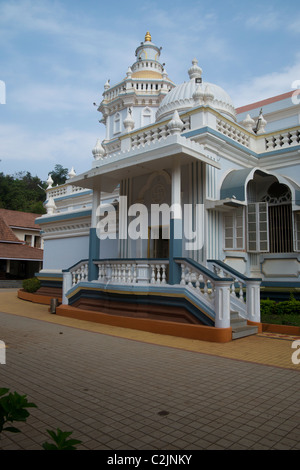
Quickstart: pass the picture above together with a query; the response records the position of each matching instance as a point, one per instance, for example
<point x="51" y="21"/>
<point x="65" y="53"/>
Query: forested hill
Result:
<point x="26" y="193"/>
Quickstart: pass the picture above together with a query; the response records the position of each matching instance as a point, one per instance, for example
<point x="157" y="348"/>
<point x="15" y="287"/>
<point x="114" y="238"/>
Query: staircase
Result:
<point x="240" y="327"/>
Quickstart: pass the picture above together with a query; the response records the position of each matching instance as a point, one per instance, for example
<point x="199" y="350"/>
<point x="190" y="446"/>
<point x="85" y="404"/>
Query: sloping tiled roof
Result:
<point x="19" y="219"/>
<point x="259" y="104"/>
<point x="20" y="252"/>
<point x="10" y="246"/>
<point x="6" y="234"/>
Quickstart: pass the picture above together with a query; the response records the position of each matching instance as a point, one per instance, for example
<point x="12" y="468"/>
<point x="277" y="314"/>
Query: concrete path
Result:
<point x="119" y="389"/>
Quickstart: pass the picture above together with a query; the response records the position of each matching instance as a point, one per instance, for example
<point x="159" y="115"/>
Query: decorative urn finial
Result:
<point x="128" y="121"/>
<point x="195" y="71"/>
<point x="176" y="124"/>
<point x="49" y="181"/>
<point x="98" y="151"/>
<point x="72" y="173"/>
<point x="148" y="37"/>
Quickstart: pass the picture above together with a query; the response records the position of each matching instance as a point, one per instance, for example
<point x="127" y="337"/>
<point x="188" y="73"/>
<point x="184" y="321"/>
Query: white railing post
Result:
<point x="222" y="304"/>
<point x="67" y="284"/>
<point x="253" y="300"/>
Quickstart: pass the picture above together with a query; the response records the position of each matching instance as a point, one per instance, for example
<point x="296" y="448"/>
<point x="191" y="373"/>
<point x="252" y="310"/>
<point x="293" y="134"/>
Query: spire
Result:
<point x="72" y="173"/>
<point x="49" y="181"/>
<point x="195" y="71"/>
<point x="98" y="150"/>
<point x="198" y="95"/>
<point x="148" y="37"/>
<point x="50" y="206"/>
<point x="128" y="121"/>
<point x="176" y="124"/>
<point x="248" y="123"/>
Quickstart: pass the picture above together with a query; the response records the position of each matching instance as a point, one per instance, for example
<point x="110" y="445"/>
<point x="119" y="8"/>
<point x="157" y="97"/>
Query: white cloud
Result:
<point x="25" y="150"/>
<point x="266" y="86"/>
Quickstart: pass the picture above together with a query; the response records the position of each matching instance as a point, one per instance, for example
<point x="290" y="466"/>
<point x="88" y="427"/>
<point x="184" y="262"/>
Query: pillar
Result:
<point x="67" y="284"/>
<point x="94" y="242"/>
<point x="222" y="304"/>
<point x="175" y="248"/>
<point x="253" y="300"/>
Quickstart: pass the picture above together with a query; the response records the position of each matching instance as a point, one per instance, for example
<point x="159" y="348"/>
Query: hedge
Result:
<point x="31" y="285"/>
<point x="287" y="307"/>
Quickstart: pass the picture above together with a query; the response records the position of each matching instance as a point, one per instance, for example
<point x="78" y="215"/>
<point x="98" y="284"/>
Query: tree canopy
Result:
<point x="59" y="174"/>
<point x="26" y="193"/>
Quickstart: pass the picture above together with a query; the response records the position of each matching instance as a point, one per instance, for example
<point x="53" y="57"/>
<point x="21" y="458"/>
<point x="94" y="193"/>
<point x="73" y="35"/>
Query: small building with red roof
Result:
<point x="21" y="253"/>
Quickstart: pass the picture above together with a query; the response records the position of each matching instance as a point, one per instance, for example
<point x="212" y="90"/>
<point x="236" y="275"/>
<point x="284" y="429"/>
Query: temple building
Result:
<point x="189" y="210"/>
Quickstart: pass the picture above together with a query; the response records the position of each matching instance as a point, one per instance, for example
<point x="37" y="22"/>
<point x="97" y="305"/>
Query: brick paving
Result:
<point x="124" y="393"/>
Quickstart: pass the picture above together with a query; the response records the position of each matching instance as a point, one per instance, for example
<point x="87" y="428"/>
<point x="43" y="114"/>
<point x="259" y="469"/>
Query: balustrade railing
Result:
<point x="193" y="277"/>
<point x="281" y="140"/>
<point x="155" y="134"/>
<point x="63" y="190"/>
<point x="237" y="288"/>
<point x="233" y="131"/>
<point x="135" y="271"/>
<point x="80" y="272"/>
<point x="218" y="286"/>
<point x="245" y="291"/>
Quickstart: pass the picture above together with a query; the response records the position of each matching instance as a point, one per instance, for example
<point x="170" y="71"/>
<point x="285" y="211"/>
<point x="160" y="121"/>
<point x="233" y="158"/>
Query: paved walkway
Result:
<point x="123" y="389"/>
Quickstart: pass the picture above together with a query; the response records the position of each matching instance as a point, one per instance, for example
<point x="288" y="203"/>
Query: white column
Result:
<point x="222" y="304"/>
<point x="175" y="246"/>
<point x="8" y="266"/>
<point x="67" y="284"/>
<point x="94" y="243"/>
<point x="253" y="300"/>
<point x="95" y="203"/>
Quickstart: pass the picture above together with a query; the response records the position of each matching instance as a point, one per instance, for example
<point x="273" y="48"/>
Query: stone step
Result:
<point x="234" y="315"/>
<point x="241" y="332"/>
<point x="240" y="328"/>
<point x="237" y="322"/>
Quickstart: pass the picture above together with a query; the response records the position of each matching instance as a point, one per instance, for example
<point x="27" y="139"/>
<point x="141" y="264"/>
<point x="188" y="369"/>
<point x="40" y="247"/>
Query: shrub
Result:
<point x="288" y="307"/>
<point x="31" y="285"/>
<point x="282" y="313"/>
<point x="267" y="307"/>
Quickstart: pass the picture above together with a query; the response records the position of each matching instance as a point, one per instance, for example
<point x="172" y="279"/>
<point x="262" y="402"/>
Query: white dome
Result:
<point x="192" y="94"/>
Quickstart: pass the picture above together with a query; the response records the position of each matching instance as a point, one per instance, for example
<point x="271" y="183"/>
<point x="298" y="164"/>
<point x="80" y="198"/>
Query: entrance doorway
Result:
<point x="158" y="242"/>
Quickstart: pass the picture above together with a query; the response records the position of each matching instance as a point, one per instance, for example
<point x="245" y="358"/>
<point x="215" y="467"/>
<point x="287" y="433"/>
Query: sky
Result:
<point x="56" y="55"/>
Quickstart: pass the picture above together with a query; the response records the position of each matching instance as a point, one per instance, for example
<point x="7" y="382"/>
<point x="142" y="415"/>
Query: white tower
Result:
<point x="137" y="96"/>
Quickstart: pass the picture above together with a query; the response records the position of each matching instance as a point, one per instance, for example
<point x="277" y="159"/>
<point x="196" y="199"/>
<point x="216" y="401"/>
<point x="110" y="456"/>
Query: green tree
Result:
<point x="22" y="192"/>
<point x="59" y="174"/>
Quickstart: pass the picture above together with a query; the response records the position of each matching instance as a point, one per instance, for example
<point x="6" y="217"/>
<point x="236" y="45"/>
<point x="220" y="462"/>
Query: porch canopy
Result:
<point x="233" y="190"/>
<point x="111" y="169"/>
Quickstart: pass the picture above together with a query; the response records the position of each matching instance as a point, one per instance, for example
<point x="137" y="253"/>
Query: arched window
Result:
<point x="146" y="117"/>
<point x="278" y="198"/>
<point x="269" y="218"/>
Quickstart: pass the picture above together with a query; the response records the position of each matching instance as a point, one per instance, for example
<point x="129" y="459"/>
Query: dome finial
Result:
<point x="195" y="71"/>
<point x="148" y="37"/>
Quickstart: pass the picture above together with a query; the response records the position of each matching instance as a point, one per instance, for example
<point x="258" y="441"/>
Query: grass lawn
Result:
<point x="285" y="319"/>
